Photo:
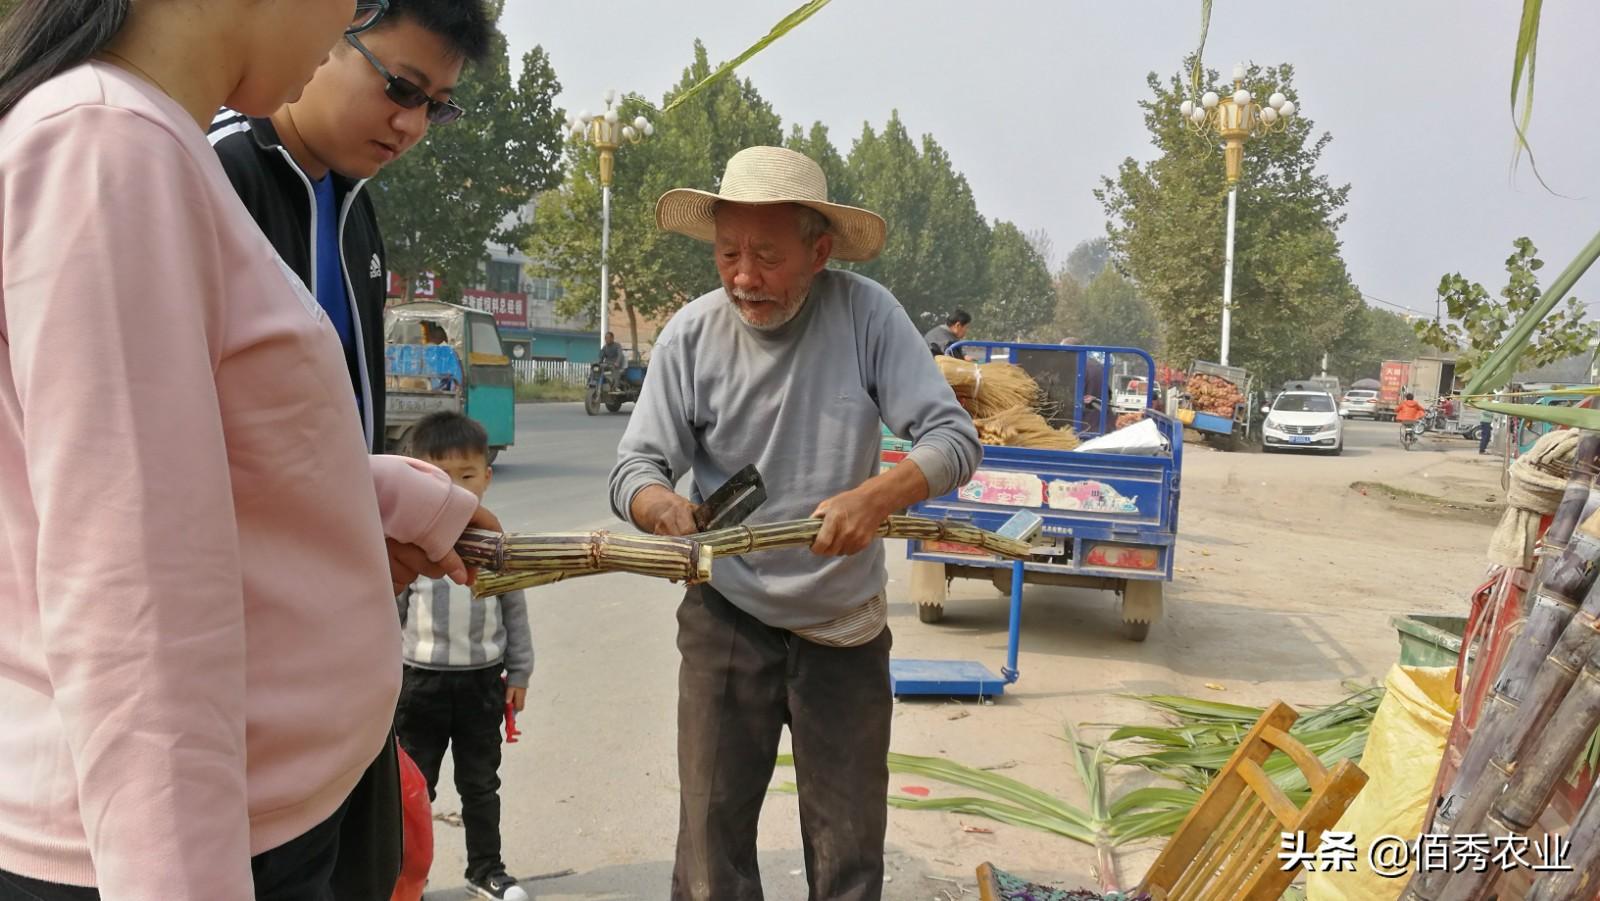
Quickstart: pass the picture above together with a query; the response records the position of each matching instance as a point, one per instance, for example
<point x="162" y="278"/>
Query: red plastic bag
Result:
<point x="416" y="816"/>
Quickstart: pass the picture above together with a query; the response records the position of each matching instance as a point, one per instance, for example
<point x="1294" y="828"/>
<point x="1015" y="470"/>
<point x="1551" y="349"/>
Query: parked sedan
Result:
<point x="1303" y="420"/>
<point x="1359" y="402"/>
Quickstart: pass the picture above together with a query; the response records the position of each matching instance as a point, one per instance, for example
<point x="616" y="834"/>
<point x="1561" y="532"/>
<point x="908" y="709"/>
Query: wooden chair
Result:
<point x="1227" y="848"/>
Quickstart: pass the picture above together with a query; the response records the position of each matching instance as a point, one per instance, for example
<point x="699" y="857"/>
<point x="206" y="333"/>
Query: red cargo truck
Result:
<point x="1393" y="378"/>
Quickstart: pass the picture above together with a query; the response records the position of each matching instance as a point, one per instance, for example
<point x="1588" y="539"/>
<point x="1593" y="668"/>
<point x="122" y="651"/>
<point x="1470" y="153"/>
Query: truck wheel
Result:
<point x="591" y="402"/>
<point x="1141" y="606"/>
<point x="614" y="406"/>
<point x="494" y="452"/>
<point x="930" y="613"/>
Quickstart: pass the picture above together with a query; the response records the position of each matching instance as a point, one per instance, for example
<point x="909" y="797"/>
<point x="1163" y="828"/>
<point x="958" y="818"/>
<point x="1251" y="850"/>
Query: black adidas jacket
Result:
<point x="280" y="197"/>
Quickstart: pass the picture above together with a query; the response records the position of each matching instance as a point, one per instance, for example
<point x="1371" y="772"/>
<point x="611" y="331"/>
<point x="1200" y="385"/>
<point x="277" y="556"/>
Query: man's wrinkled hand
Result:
<point x="408" y="561"/>
<point x="850" y="522"/>
<point x="662" y="511"/>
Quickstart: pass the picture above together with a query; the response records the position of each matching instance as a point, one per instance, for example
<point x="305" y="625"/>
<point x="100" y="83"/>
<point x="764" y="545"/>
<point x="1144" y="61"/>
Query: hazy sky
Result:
<point x="1036" y="101"/>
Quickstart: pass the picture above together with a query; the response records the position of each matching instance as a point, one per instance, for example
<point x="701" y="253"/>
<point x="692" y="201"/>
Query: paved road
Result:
<point x="555" y="476"/>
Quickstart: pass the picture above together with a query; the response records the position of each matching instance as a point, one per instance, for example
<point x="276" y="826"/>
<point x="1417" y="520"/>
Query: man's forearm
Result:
<point x="899" y="488"/>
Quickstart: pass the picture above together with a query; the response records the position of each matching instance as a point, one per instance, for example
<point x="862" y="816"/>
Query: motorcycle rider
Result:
<point x="1409" y="412"/>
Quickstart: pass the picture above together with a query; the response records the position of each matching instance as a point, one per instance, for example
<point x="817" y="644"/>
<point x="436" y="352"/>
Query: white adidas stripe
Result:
<point x="218" y="134"/>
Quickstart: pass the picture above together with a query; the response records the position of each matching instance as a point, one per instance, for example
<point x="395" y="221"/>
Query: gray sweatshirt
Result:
<point x="804" y="404"/>
<point x="445" y="628"/>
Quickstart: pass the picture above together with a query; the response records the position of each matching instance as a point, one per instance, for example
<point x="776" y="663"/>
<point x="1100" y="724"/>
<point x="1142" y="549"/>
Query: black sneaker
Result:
<point x="499" y="887"/>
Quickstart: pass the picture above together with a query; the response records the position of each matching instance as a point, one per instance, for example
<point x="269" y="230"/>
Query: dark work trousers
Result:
<point x="461" y="709"/>
<point x="298" y="870"/>
<point x="740" y="682"/>
<point x="1484" y="433"/>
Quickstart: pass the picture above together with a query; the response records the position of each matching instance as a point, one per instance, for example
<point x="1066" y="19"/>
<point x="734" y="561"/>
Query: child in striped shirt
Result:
<point x="456" y="650"/>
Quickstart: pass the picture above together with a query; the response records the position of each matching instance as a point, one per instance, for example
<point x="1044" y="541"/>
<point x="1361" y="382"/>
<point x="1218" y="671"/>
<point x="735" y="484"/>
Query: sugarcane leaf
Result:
<point x="1524" y="60"/>
<point x="1196" y="71"/>
<point x="1137" y="827"/>
<point x="785" y="25"/>
<point x="1572" y="417"/>
<point x="1154" y="798"/>
<point x="1002" y="787"/>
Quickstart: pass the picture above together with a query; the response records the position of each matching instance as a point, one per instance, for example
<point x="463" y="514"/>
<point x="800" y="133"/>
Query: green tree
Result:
<point x="937" y="254"/>
<point x="1022" y="297"/>
<point x="1088" y="260"/>
<point x="1477" y="325"/>
<point x="1111" y="311"/>
<point x="816" y="144"/>
<point x="1372" y="337"/>
<point x="455" y="192"/>
<point x="653" y="273"/>
<point x="1292" y="296"/>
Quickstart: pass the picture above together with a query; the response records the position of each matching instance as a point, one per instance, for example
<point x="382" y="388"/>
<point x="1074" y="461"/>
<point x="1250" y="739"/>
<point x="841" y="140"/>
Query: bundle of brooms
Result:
<point x="987" y="389"/>
<point x="518" y="561"/>
<point x="1022" y="427"/>
<point x="1005" y="403"/>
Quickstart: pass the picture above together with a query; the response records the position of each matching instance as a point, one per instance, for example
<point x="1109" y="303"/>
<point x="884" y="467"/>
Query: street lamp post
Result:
<point x="1235" y="117"/>
<point x="606" y="133"/>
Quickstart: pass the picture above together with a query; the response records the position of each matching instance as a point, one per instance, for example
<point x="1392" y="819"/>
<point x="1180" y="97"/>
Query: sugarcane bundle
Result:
<point x="562" y="554"/>
<point x="1582" y="878"/>
<point x="984" y="389"/>
<point x="740" y="540"/>
<point x="1213" y="394"/>
<point x="1022" y="427"/>
<point x="1565" y="576"/>
<point x="1534" y="781"/>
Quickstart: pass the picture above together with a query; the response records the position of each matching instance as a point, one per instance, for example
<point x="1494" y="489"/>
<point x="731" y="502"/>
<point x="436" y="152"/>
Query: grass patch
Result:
<point x="548" y="392"/>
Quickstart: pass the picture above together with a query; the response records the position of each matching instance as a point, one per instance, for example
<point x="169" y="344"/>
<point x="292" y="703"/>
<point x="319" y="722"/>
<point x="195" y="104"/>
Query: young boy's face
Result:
<point x="470" y="471"/>
<point x="344" y="117"/>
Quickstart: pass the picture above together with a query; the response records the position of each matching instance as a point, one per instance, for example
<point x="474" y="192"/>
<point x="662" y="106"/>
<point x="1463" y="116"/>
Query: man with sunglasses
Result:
<point x="301" y="173"/>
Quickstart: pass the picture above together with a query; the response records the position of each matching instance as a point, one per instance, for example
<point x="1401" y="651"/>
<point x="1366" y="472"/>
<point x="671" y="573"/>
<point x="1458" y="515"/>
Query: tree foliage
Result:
<point x="1477" y="324"/>
<point x="941" y="253"/>
<point x="1292" y="296"/>
<point x="1088" y="259"/>
<point x="1021" y="295"/>
<point x="652" y="272"/>
<point x="452" y="193"/>
<point x="1372" y="337"/>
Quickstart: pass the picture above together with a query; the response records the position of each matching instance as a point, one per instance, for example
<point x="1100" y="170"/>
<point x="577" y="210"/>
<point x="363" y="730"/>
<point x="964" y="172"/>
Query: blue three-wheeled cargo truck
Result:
<point x="1110" y="519"/>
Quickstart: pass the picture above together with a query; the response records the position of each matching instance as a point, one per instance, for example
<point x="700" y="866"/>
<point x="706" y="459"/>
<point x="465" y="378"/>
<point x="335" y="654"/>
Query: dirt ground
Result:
<point x="1287" y="579"/>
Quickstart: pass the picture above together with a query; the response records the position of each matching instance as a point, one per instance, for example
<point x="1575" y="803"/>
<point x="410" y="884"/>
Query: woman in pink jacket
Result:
<point x="199" y="655"/>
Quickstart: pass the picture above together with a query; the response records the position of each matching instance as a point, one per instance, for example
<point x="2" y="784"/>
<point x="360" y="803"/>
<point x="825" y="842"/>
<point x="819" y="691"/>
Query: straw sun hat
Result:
<point x="768" y="175"/>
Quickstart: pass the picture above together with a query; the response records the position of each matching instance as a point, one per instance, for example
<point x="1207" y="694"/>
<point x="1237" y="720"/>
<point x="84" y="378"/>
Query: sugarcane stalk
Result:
<point x="1582" y="881"/>
<point x="740" y="540"/>
<point x="1534" y="781"/>
<point x="1564" y="576"/>
<point x="543" y="554"/>
<point x="1551" y="684"/>
<point x="1555" y="603"/>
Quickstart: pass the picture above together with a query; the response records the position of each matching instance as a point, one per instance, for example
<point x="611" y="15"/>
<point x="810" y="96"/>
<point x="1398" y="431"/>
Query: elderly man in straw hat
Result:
<point x="792" y="366"/>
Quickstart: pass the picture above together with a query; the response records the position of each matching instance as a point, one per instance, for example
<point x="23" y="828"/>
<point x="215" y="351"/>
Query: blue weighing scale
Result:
<point x="969" y="678"/>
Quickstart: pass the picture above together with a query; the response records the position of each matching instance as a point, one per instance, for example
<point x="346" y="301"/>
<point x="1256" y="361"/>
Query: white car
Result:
<point x="1303" y="420"/>
<point x="1359" y="402"/>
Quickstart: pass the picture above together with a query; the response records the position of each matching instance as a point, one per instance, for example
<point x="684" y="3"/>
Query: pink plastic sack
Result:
<point x="416" y="815"/>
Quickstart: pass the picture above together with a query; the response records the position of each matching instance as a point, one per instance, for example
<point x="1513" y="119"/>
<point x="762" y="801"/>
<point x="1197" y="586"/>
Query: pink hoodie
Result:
<point x="199" y="652"/>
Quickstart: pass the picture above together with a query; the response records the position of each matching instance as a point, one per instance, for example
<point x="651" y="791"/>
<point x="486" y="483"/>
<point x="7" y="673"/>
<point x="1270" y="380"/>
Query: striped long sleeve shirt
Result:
<point x="447" y="629"/>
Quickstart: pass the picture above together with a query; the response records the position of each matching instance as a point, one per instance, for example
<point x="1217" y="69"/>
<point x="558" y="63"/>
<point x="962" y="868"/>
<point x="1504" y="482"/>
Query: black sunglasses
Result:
<point x="368" y="12"/>
<point x="406" y="95"/>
